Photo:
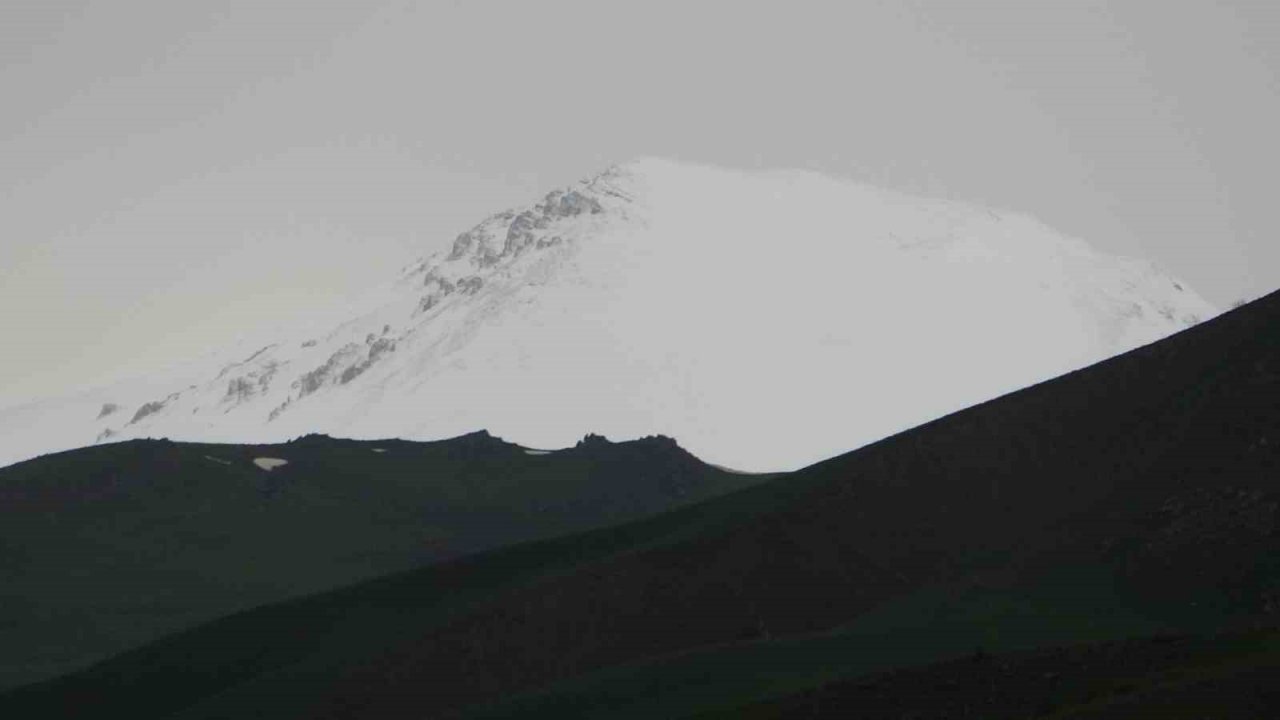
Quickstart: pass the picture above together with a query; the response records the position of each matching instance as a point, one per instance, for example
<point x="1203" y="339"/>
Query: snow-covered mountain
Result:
<point x="765" y="320"/>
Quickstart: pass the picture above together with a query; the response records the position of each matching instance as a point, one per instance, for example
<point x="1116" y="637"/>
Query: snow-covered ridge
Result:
<point x="765" y="320"/>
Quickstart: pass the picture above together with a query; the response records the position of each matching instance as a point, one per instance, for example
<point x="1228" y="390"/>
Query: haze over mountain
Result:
<point x="658" y="297"/>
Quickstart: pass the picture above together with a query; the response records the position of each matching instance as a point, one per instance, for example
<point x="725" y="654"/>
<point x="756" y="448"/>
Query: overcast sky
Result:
<point x="173" y="172"/>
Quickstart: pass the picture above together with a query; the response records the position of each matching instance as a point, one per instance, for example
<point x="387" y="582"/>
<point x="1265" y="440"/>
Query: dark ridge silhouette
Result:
<point x="1138" y="497"/>
<point x="113" y="546"/>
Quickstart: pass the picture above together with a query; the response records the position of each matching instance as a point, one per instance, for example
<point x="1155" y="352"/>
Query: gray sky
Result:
<point x="172" y="172"/>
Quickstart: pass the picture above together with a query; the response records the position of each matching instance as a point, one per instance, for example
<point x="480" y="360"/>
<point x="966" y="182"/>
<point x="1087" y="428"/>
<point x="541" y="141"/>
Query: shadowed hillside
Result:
<point x="112" y="546"/>
<point x="1171" y="677"/>
<point x="1138" y="497"/>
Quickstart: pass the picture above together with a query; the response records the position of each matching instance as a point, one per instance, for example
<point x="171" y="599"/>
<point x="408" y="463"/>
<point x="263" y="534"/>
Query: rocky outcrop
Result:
<point x="438" y="288"/>
<point x="377" y="348"/>
<point x="591" y="440"/>
<point x="346" y="364"/>
<point x="239" y="389"/>
<point x="315" y="379"/>
<point x="150" y="408"/>
<point x="506" y="235"/>
<point x="527" y="228"/>
<point x="277" y="410"/>
<point x="244" y="362"/>
<point x="502" y="238"/>
<point x="252" y="383"/>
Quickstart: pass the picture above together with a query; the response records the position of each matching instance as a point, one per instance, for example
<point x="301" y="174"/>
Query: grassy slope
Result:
<point x="1136" y="496"/>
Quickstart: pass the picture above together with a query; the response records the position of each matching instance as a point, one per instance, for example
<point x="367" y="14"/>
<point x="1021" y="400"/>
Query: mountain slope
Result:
<point x="1140" y="496"/>
<point x="1168" y="677"/>
<point x="110" y="547"/>
<point x="767" y="321"/>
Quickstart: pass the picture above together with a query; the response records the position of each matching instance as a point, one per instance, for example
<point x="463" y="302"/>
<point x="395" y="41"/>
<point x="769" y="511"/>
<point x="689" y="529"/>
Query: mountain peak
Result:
<point x="766" y="319"/>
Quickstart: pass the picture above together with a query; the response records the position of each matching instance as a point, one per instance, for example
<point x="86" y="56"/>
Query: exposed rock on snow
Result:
<point x="149" y="408"/>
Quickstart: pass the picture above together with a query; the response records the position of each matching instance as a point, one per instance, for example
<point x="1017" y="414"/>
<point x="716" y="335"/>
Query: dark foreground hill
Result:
<point x="112" y="546"/>
<point x="1133" y="499"/>
<point x="1225" y="677"/>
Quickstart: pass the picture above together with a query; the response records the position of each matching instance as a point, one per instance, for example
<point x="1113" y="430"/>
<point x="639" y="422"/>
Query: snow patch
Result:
<point x="270" y="464"/>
